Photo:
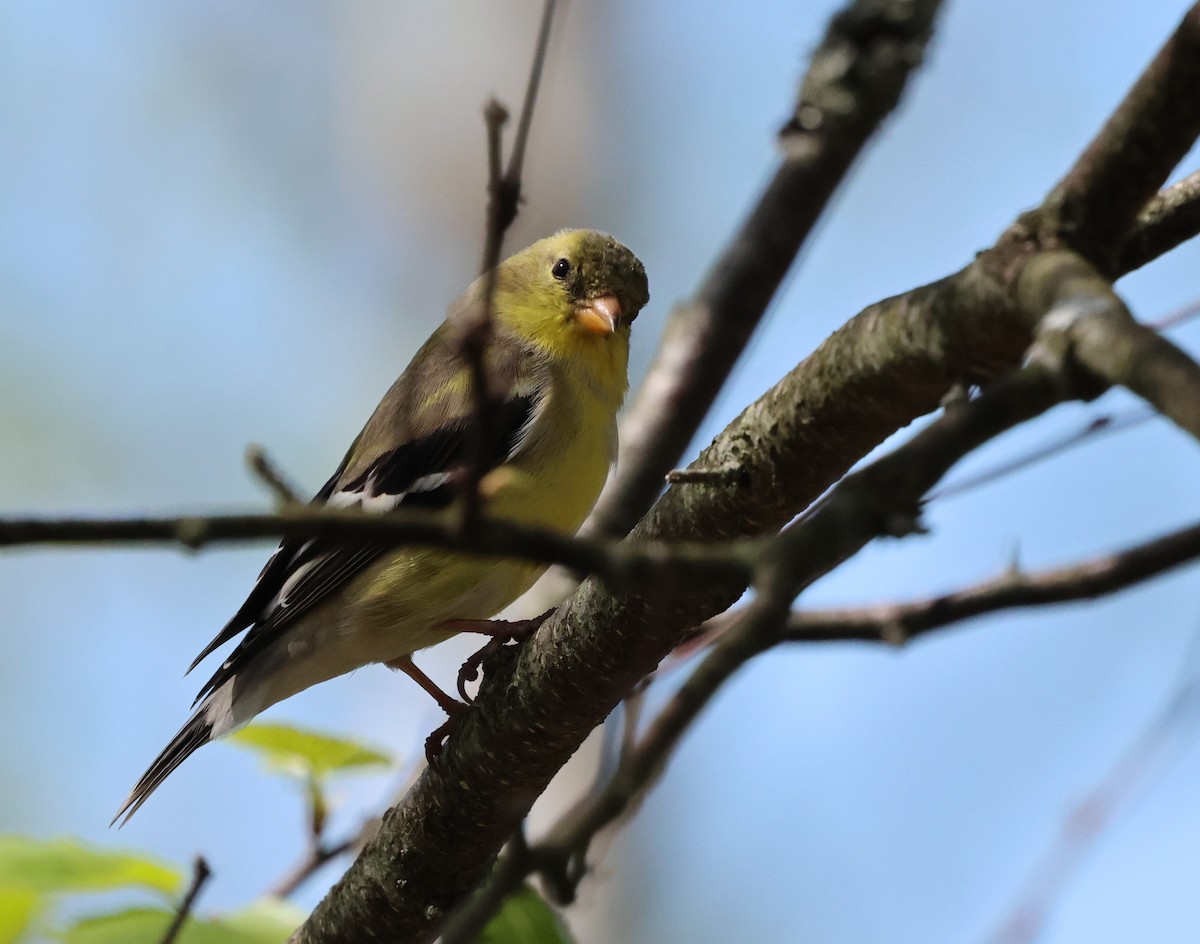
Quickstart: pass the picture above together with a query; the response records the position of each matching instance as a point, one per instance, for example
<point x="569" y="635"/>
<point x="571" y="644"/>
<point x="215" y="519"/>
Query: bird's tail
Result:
<point x="198" y="731"/>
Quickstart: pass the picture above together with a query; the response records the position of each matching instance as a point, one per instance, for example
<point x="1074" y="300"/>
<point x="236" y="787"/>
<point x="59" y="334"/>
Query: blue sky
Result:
<point x="225" y="223"/>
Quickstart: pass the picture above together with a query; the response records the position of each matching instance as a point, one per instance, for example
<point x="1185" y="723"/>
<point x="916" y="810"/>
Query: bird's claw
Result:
<point x="502" y="632"/>
<point x="435" y="744"/>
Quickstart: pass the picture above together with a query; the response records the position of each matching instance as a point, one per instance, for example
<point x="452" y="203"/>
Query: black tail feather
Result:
<point x="196" y="732"/>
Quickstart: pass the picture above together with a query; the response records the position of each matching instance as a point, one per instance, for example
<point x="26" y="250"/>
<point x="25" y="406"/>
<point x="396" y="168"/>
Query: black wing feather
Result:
<point x="420" y="473"/>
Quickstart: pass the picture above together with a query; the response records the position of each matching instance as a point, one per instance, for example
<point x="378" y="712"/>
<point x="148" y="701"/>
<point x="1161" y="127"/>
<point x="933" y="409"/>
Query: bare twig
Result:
<point x="504" y="198"/>
<point x="270" y="475"/>
<point x="1093" y="429"/>
<point x="315" y="856"/>
<point x="704" y="477"/>
<point x="200" y="875"/>
<point x="616" y="563"/>
<point x="899" y="622"/>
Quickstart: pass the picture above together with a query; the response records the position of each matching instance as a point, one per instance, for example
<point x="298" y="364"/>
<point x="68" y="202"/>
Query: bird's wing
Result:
<point x="379" y="474"/>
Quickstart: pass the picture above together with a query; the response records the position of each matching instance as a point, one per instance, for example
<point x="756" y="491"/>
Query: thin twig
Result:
<point x="200" y="874"/>
<point x="704" y="477"/>
<point x="1092" y="430"/>
<point x="315" y="856"/>
<point x="474" y="342"/>
<point x="269" y="474"/>
<point x="504" y="198"/>
<point x="900" y="622"/>
<point x="516" y="160"/>
<point x="618" y="564"/>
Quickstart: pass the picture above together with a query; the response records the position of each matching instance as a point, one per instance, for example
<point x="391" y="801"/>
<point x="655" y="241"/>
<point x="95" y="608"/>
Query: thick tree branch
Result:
<point x="882" y="499"/>
<point x="561" y="855"/>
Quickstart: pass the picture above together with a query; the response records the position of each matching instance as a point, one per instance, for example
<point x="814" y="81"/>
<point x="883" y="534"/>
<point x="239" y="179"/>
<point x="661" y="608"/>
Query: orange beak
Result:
<point x="600" y="316"/>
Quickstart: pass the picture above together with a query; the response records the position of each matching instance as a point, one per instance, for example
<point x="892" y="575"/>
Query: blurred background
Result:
<point x="224" y="223"/>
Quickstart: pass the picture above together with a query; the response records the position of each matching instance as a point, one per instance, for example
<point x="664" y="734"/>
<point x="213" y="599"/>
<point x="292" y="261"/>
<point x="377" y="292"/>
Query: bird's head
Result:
<point x="574" y="296"/>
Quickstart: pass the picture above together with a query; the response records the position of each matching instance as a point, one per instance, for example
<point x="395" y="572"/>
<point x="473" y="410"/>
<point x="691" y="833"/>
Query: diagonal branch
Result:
<point x="1096" y="204"/>
<point x="855" y="80"/>
<point x="201" y="873"/>
<point x="1172" y="217"/>
<point x="900" y="622"/>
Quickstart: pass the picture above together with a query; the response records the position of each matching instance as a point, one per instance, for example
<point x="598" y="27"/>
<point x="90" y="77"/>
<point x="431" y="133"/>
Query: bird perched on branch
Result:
<point x="555" y="368"/>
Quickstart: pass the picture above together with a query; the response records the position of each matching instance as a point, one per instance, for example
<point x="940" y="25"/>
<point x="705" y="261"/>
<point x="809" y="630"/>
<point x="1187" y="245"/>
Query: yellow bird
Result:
<point x="556" y="364"/>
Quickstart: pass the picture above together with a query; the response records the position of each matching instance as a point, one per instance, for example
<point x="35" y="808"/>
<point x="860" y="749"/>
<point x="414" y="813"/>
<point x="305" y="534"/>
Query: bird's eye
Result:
<point x="561" y="269"/>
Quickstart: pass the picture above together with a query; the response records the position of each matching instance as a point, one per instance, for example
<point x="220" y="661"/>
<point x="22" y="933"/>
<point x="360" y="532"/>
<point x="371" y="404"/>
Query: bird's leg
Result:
<point x="502" y="632"/>
<point x="454" y="709"/>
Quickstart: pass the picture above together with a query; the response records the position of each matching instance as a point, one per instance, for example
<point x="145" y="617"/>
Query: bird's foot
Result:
<point x="502" y="632"/>
<point x="454" y="709"/>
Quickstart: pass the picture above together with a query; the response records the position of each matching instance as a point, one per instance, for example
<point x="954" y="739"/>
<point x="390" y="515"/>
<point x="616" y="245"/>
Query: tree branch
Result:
<point x="1095" y="206"/>
<point x="900" y="622"/>
<point x="1105" y="339"/>
<point x="270" y="475"/>
<point x="200" y="875"/>
<point x="1171" y="218"/>
<point x="504" y="199"/>
<point x="856" y="78"/>
<point x="621" y="566"/>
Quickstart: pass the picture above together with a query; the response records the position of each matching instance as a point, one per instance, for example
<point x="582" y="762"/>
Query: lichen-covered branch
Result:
<point x="1171" y="218"/>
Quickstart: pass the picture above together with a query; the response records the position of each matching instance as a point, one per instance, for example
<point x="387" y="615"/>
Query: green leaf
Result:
<point x="17" y="911"/>
<point x="130" y="926"/>
<point x="264" y="922"/>
<point x="306" y="754"/>
<point x="525" y="918"/>
<point x="67" y="865"/>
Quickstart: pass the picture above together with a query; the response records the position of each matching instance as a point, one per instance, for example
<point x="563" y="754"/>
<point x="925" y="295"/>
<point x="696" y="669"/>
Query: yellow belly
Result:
<point x="402" y="600"/>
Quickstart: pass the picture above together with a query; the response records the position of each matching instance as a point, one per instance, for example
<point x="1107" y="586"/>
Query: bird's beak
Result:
<point x="600" y="316"/>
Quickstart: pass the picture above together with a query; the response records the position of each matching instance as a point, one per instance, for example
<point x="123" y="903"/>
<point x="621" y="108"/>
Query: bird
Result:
<point x="555" y="365"/>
